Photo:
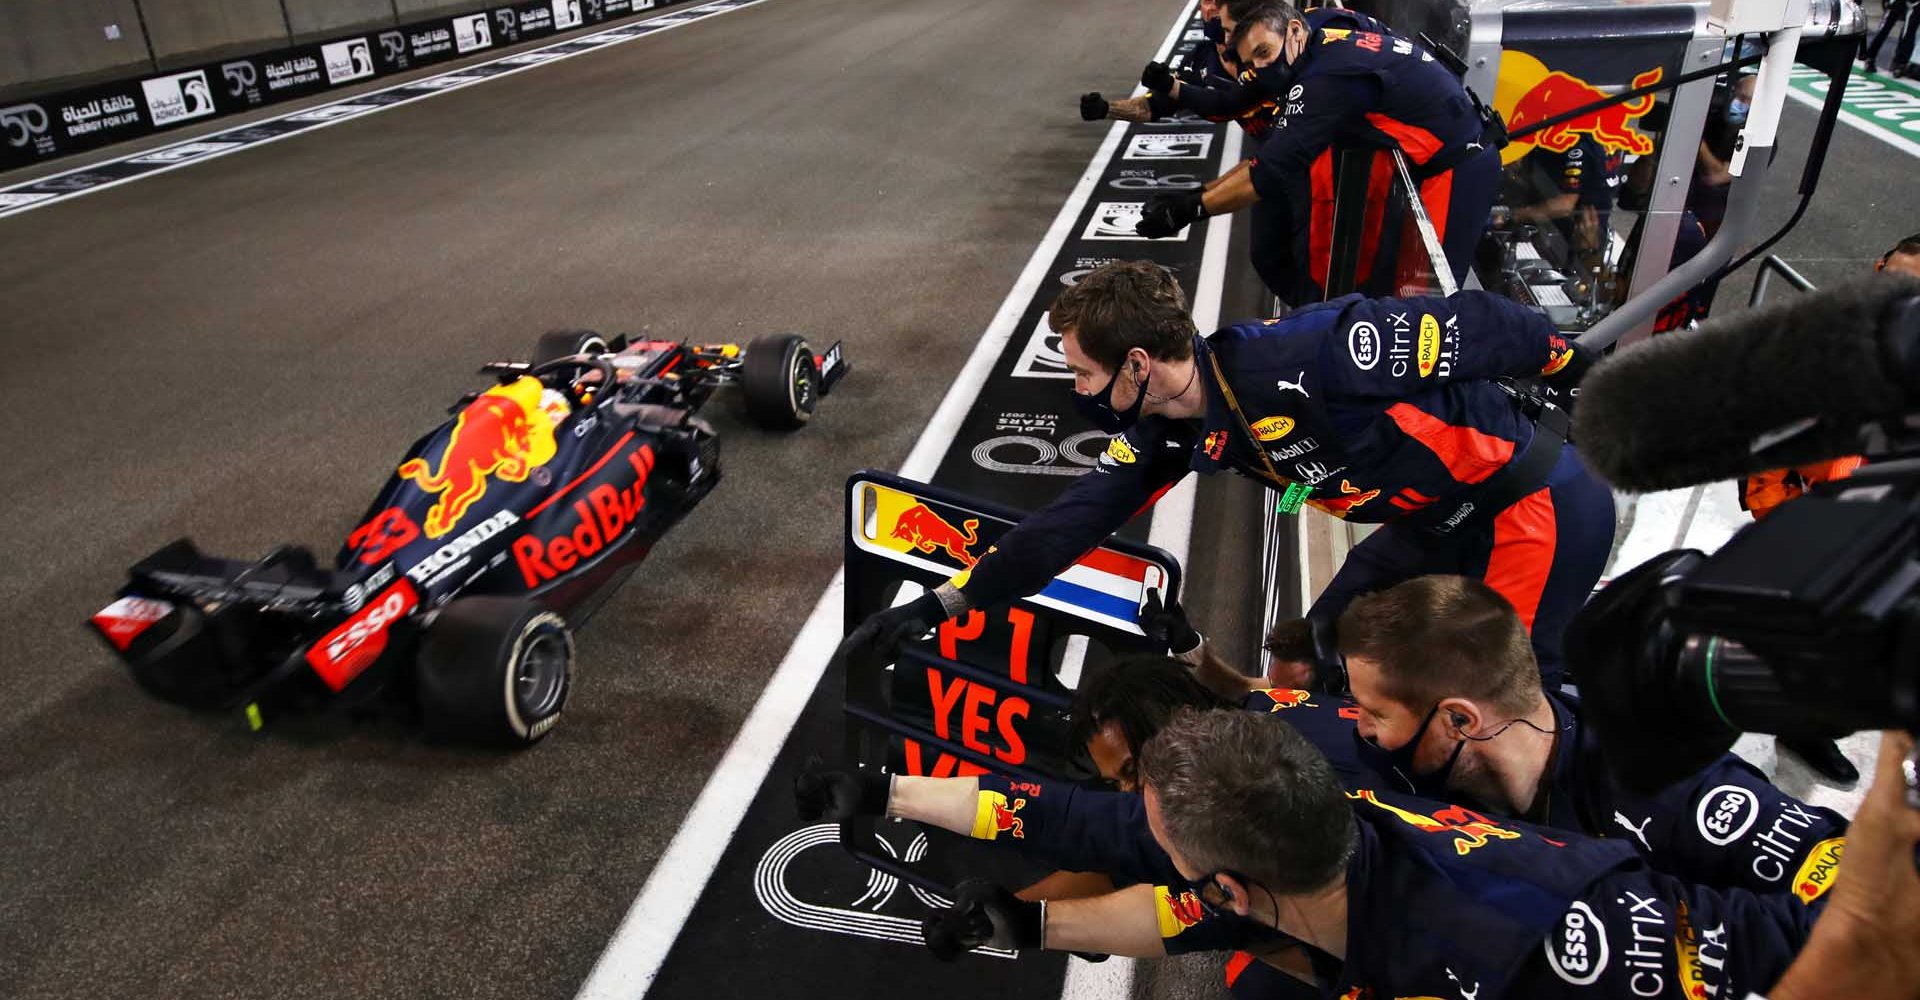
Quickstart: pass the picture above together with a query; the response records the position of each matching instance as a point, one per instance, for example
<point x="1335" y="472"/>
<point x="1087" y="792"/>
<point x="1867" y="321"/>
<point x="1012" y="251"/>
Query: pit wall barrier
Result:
<point x="38" y="128"/>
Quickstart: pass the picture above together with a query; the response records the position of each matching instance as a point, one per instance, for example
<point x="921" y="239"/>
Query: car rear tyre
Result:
<point x="558" y="344"/>
<point x="780" y="381"/>
<point x="494" y="671"/>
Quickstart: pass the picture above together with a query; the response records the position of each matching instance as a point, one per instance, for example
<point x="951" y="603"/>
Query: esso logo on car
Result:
<point x="378" y="617"/>
<point x="342" y="654"/>
<point x="1727" y="812"/>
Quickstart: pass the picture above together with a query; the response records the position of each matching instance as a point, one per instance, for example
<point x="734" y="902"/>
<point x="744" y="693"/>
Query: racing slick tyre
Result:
<point x="495" y="671"/>
<point x="558" y="344"/>
<point x="781" y="381"/>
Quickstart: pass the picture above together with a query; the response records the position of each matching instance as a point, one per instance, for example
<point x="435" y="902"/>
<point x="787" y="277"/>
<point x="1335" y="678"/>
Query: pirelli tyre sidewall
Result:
<point x="494" y="671"/>
<point x="781" y="382"/>
<point x="556" y="344"/>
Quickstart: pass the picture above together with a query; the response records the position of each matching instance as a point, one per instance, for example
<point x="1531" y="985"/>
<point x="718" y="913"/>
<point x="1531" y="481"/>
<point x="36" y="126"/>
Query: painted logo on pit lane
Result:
<point x="1169" y="146"/>
<point x="794" y="875"/>
<point x="1117" y="220"/>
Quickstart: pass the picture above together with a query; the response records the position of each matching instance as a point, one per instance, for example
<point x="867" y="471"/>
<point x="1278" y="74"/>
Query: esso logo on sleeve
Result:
<point x="1577" y="951"/>
<point x="1726" y="812"/>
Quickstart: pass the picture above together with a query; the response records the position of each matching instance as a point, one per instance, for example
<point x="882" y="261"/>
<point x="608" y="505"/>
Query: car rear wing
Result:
<point x="286" y="578"/>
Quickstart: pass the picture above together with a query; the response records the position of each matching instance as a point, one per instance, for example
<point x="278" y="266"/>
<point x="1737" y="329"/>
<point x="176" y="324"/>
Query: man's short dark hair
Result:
<point x="1275" y="14"/>
<point x="1291" y="639"/>
<point x="1122" y="305"/>
<point x="1437" y="637"/>
<point x="1245" y="792"/>
<point x="1905" y="248"/>
<point x="1138" y="694"/>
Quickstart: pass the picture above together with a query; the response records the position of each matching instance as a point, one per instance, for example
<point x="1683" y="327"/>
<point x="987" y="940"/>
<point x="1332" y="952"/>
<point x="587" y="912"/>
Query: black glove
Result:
<point x="1157" y="77"/>
<point x="1167" y="625"/>
<point x="1093" y="107"/>
<point x="884" y="631"/>
<point x="833" y="795"/>
<point x="1167" y="214"/>
<point x="983" y="914"/>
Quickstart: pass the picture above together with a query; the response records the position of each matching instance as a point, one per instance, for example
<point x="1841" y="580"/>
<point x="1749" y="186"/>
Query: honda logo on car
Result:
<point x="342" y="654"/>
<point x="601" y="517"/>
<point x="454" y="553"/>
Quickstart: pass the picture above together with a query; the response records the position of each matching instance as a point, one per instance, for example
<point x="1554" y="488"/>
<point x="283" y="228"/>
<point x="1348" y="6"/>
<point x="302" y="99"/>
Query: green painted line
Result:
<point x="1881" y="106"/>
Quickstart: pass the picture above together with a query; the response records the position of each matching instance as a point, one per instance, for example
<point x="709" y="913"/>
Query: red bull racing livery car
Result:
<point x="454" y="596"/>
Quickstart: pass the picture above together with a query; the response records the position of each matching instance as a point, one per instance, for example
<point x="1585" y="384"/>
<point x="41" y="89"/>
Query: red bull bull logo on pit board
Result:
<point x="1528" y="93"/>
<point x="921" y="528"/>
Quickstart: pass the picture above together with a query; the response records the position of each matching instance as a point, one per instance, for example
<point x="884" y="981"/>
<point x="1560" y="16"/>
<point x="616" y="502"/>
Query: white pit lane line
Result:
<point x="639" y="947"/>
<point x="200" y="149"/>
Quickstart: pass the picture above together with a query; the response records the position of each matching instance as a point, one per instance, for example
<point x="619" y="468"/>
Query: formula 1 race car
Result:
<point x="455" y="594"/>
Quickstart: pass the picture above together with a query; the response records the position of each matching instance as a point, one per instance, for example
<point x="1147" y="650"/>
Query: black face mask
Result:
<point x="1398" y="762"/>
<point x="1098" y="407"/>
<point x="1276" y="78"/>
<point x="1215" y="31"/>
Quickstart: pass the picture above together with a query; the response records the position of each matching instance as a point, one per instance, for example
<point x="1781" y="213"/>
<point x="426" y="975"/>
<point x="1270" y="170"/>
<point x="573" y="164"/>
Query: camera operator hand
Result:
<point x="1867" y="943"/>
<point x="823" y="794"/>
<point x="1093" y="107"/>
<point x="984" y="914"/>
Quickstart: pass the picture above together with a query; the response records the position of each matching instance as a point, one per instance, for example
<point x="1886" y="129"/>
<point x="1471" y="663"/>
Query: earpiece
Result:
<point x="1459" y="721"/>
